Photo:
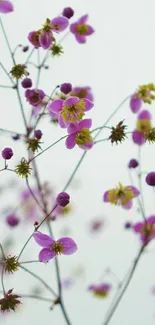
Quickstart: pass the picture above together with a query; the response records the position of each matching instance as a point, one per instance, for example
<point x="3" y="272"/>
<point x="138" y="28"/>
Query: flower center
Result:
<point x="83" y="136"/>
<point x="120" y="195"/>
<point x="81" y="94"/>
<point x="73" y="113"/>
<point x="35" y="38"/>
<point x="57" y="247"/>
<point x="143" y="125"/>
<point x="147" y="230"/>
<point x="35" y="97"/>
<point x="100" y="294"/>
<point x="82" y="29"/>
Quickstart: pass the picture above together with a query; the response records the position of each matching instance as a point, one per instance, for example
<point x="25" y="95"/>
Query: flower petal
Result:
<point x="59" y="23"/>
<point x="62" y="122"/>
<point x="145" y="115"/>
<point x="73" y="28"/>
<point x="88" y="104"/>
<point x="137" y="227"/>
<point x="70" y="141"/>
<point x="6" y="7"/>
<point x="69" y="245"/>
<point x="56" y="105"/>
<point x="83" y="19"/>
<point x="151" y="220"/>
<point x="43" y="240"/>
<point x="105" y="196"/>
<point x="80" y="38"/>
<point x="86" y="123"/>
<point x="86" y="146"/>
<point x="90" y="30"/>
<point x="138" y="137"/>
<point x="71" y="101"/>
<point x="128" y="205"/>
<point x="46" y="255"/>
<point x="73" y="128"/>
<point x="136" y="192"/>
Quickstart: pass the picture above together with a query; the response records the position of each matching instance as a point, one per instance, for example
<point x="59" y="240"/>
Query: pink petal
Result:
<point x="73" y="28"/>
<point x="134" y="189"/>
<point x="69" y="245"/>
<point x="56" y="105"/>
<point x="88" y="104"/>
<point x="86" y="123"/>
<point x="105" y="196"/>
<point x="46" y="255"/>
<point x="137" y="227"/>
<point x="128" y="205"/>
<point x="6" y="7"/>
<point x="90" y="30"/>
<point x="86" y="146"/>
<point x="73" y="128"/>
<point x="80" y="38"/>
<point x="151" y="220"/>
<point x="71" y="101"/>
<point x="43" y="240"/>
<point x="61" y="21"/>
<point x="83" y="19"/>
<point x="62" y="122"/>
<point x="70" y="141"/>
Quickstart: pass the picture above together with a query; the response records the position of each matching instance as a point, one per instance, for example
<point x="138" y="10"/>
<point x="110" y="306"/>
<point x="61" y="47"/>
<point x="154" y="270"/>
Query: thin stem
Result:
<point x="11" y="132"/>
<point x="8" y="75"/>
<point x="28" y="262"/>
<point x="21" y="106"/>
<point x="35" y="297"/>
<point x="7" y="87"/>
<point x="33" y="195"/>
<point x="2" y="279"/>
<point x="39" y="68"/>
<point x="1" y="247"/>
<point x="7" y="41"/>
<point x="101" y="140"/>
<point x="138" y="199"/>
<point x="30" y="54"/>
<point x="23" y="248"/>
<point x="124" y="287"/>
<point x="140" y="182"/>
<point x="40" y="279"/>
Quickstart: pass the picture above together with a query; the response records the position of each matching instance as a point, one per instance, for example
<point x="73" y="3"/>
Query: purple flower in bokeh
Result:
<point x="70" y="110"/>
<point x="12" y="220"/>
<point x="101" y="290"/>
<point x="34" y="96"/>
<point x="135" y="103"/>
<point x="67" y="283"/>
<point x="150" y="179"/>
<point x="133" y="163"/>
<point x="121" y="195"/>
<point x="145" y="229"/>
<point x="80" y="134"/>
<point x="51" y="248"/>
<point x="81" y="29"/>
<point x="138" y="137"/>
<point x="6" y="6"/>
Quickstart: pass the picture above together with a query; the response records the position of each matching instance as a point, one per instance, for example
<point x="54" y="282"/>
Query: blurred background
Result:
<point x="117" y="58"/>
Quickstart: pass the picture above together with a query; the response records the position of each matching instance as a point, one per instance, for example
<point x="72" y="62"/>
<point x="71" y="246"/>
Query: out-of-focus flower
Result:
<point x="67" y="283"/>
<point x="64" y="245"/>
<point x="145" y="229"/>
<point x="6" y="6"/>
<point x="70" y="110"/>
<point x="81" y="29"/>
<point x="121" y="195"/>
<point x="82" y="92"/>
<point x="150" y="179"/>
<point x="133" y="163"/>
<point x="12" y="220"/>
<point x="145" y="93"/>
<point x="101" y="290"/>
<point x="135" y="103"/>
<point x="96" y="225"/>
<point x="80" y="134"/>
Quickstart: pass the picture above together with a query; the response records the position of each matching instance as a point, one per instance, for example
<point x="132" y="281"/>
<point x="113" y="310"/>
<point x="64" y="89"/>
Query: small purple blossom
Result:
<point x="80" y="134"/>
<point x="81" y="29"/>
<point x="68" y="12"/>
<point x="144" y="115"/>
<point x="35" y="98"/>
<point x="133" y="163"/>
<point x="70" y="110"/>
<point x="66" y="88"/>
<point x="6" y="6"/>
<point x="82" y="92"/>
<point x="121" y="195"/>
<point x="135" y="103"/>
<point x="101" y="290"/>
<point x="33" y="37"/>
<point x="150" y="179"/>
<point x="51" y="248"/>
<point x="38" y="134"/>
<point x="16" y="137"/>
<point x="26" y="83"/>
<point x="46" y="39"/>
<point x="7" y="153"/>
<point x="145" y="229"/>
<point x="63" y="199"/>
<point x="12" y="220"/>
<point x="128" y="225"/>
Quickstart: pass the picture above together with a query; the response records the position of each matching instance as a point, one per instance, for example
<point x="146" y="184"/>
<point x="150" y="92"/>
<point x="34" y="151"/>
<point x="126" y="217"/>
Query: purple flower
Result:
<point x="63" y="199"/>
<point x="150" y="179"/>
<point x="135" y="103"/>
<point x="68" y="12"/>
<point x="133" y="163"/>
<point x="101" y="290"/>
<point x="79" y="134"/>
<point x="138" y="137"/>
<point x="64" y="245"/>
<point x="6" y="6"/>
<point x="34" y="97"/>
<point x="121" y="195"/>
<point x="33" y="37"/>
<point x="145" y="229"/>
<point x="66" y="88"/>
<point x="12" y="220"/>
<point x="82" y="92"/>
<point x="7" y="153"/>
<point x="81" y="30"/>
<point x="38" y="134"/>
<point x="70" y="110"/>
<point x="26" y="83"/>
<point x="59" y="24"/>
